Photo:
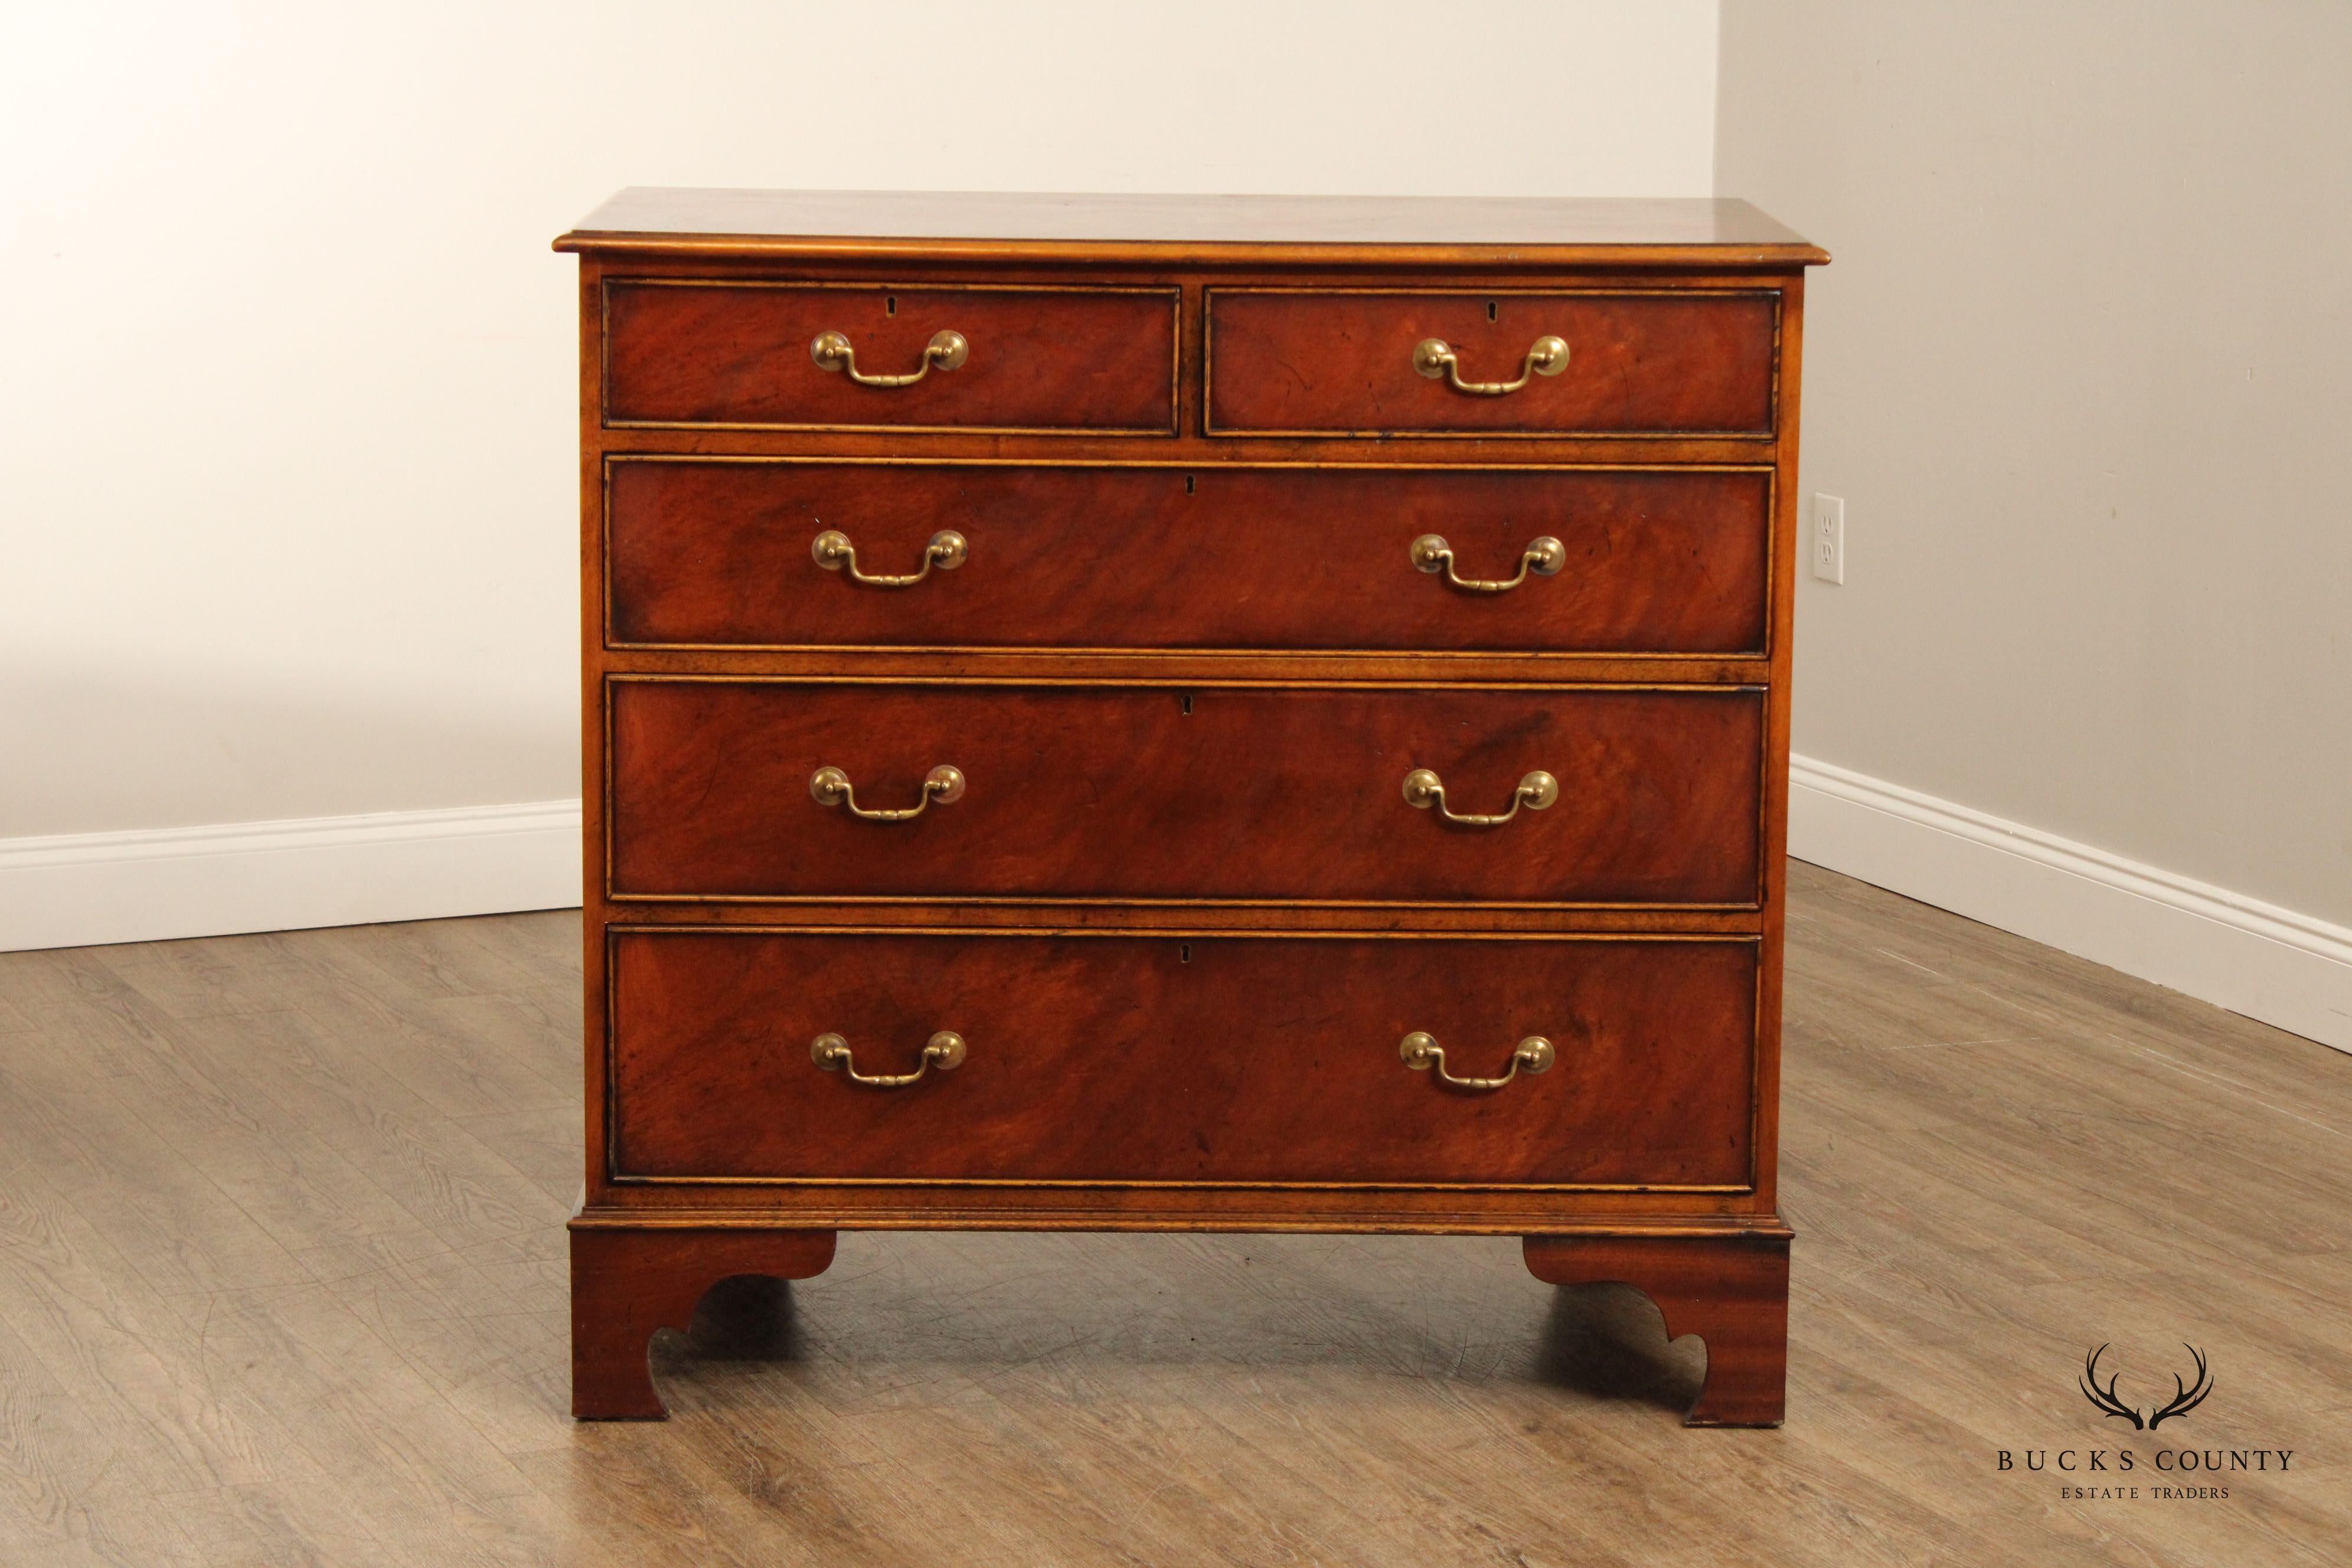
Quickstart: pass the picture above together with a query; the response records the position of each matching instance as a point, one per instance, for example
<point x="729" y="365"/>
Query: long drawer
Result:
<point x="1595" y="363"/>
<point x="824" y="356"/>
<point x="738" y="552"/>
<point x="736" y="1056"/>
<point x="730" y="787"/>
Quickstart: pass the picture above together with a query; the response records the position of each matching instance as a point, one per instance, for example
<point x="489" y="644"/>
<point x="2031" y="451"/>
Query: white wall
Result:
<point x="287" y="416"/>
<point x="2082" y="373"/>
<point x="286" y="474"/>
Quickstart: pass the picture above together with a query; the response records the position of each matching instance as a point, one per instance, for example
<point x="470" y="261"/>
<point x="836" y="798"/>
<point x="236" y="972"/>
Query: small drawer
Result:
<point x="757" y="355"/>
<point x="1670" y="363"/>
<point x="1635" y="796"/>
<point x="704" y="552"/>
<point x="1210" y="1059"/>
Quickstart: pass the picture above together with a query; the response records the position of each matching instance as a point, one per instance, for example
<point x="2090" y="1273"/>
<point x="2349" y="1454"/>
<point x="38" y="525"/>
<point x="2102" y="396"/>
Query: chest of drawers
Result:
<point x="1185" y="713"/>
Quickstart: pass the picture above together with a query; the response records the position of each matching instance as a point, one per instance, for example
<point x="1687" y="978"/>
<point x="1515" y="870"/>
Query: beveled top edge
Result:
<point x="654" y="218"/>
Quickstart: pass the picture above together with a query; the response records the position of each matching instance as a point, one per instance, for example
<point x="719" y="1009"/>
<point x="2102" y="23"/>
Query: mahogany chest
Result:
<point x="1176" y="713"/>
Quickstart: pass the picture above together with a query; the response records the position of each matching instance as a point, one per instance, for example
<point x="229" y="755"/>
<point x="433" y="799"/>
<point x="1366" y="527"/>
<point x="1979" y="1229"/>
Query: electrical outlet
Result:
<point x="1828" y="538"/>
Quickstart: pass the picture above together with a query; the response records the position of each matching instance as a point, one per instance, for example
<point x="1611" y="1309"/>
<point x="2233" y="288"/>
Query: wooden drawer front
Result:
<point x="1258" y="1059"/>
<point x="1683" y="364"/>
<point x="712" y="554"/>
<point x="737" y="354"/>
<point x="1078" y="791"/>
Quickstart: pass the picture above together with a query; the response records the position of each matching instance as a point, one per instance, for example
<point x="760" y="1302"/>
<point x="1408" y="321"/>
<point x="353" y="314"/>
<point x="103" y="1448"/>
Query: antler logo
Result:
<point x="2185" y="1398"/>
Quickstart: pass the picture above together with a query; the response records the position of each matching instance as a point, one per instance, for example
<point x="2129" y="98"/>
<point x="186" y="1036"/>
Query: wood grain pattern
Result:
<point x="1114" y="792"/>
<point x="1997" y="1155"/>
<point x="1686" y="363"/>
<point x="627" y="1284"/>
<point x="1235" y="1059"/>
<point x="1732" y="1292"/>
<point x="1101" y="358"/>
<point x="1000" y="226"/>
<point x="1153" y="775"/>
<point x="717" y="553"/>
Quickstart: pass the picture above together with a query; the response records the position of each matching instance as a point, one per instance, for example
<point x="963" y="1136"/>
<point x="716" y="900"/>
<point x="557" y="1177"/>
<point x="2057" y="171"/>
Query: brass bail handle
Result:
<point x="832" y="550"/>
<point x="830" y="787"/>
<point x="947" y="350"/>
<point x="944" y="1050"/>
<point x="1422" y="1053"/>
<point x="1423" y="790"/>
<point x="1434" y="358"/>
<point x="1544" y="557"/>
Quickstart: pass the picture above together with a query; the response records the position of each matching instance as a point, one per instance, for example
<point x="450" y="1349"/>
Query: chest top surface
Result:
<point x="1690" y="231"/>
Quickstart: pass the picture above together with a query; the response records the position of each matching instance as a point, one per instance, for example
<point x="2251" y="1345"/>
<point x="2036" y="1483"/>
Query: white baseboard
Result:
<point x="2285" y="969"/>
<point x="78" y="889"/>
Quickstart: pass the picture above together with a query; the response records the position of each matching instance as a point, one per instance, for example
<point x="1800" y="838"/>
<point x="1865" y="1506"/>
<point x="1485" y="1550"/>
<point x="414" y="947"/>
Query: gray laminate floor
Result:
<point x="282" y="1281"/>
